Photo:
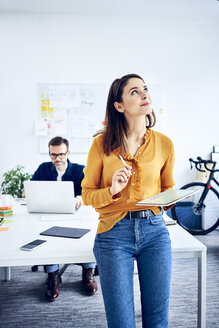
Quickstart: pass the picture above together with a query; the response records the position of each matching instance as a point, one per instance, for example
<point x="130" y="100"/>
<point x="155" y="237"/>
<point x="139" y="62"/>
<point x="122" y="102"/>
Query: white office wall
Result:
<point x="181" y="54"/>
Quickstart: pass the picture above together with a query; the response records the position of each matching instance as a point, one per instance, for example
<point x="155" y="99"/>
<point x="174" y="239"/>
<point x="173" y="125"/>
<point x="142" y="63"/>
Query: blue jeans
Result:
<point x="145" y="240"/>
<point x="54" y="267"/>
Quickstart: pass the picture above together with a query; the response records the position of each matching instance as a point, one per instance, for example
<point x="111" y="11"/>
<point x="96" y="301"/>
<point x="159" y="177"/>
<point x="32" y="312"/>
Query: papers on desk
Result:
<point x="20" y="201"/>
<point x="59" y="217"/>
<point x="168" y="220"/>
<point x="84" y="212"/>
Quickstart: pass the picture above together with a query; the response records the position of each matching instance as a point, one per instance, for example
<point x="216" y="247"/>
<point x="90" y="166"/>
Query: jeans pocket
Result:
<point x="156" y="220"/>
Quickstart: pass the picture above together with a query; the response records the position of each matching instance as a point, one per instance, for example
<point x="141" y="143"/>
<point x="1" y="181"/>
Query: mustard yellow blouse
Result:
<point x="152" y="172"/>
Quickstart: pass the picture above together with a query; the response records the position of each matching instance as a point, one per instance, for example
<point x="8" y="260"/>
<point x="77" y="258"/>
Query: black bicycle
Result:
<point x="199" y="214"/>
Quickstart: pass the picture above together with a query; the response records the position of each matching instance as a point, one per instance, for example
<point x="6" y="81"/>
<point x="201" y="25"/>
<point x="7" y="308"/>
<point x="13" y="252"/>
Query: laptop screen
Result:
<point x="49" y="196"/>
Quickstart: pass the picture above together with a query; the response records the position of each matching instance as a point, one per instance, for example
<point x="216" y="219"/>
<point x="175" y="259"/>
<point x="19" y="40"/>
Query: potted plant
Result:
<point x="13" y="181"/>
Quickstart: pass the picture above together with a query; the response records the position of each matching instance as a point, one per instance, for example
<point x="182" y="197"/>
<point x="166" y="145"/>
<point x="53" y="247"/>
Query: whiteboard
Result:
<point x="77" y="111"/>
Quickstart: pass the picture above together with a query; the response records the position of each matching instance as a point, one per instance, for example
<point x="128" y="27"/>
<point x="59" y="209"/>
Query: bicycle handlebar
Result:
<point x="205" y="162"/>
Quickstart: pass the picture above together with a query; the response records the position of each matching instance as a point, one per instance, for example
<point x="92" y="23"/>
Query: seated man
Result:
<point x="61" y="169"/>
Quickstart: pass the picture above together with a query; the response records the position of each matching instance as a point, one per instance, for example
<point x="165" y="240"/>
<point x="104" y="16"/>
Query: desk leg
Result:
<point x="5" y="273"/>
<point x="202" y="290"/>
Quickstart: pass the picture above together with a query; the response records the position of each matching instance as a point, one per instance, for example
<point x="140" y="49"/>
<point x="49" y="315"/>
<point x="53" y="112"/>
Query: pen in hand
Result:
<point x="122" y="160"/>
<point x="120" y="178"/>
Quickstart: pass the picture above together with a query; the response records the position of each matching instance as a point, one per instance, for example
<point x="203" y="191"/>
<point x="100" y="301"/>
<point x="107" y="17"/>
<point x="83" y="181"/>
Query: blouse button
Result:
<point x="139" y="152"/>
<point x="133" y="184"/>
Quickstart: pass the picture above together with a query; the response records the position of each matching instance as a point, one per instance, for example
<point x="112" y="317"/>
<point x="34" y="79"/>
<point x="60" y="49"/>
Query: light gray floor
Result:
<point x="22" y="302"/>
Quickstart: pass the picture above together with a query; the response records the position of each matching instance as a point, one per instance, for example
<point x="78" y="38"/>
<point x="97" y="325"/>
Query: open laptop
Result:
<point x="49" y="196"/>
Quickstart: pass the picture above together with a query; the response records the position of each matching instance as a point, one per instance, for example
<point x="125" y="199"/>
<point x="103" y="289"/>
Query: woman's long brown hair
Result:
<point x="115" y="133"/>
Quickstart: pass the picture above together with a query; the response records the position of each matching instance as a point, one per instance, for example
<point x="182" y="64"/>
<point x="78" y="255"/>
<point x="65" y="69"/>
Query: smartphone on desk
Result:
<point x="33" y="245"/>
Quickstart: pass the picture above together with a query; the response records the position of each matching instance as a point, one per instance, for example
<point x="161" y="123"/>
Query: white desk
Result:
<point x="26" y="227"/>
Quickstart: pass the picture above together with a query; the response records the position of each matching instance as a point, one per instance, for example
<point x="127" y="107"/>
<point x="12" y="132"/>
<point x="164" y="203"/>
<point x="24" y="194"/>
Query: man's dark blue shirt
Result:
<point x="74" y="172"/>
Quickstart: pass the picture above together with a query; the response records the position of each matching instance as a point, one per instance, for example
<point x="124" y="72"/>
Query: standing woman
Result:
<point x="126" y="231"/>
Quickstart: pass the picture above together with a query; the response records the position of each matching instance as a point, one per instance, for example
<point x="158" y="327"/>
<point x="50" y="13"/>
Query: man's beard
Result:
<point x="59" y="165"/>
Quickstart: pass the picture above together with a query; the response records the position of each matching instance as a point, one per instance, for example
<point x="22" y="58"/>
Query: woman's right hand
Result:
<point x="120" y="179"/>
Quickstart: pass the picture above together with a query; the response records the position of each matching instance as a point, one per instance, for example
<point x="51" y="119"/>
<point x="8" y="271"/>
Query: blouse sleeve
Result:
<point x="92" y="193"/>
<point x="167" y="180"/>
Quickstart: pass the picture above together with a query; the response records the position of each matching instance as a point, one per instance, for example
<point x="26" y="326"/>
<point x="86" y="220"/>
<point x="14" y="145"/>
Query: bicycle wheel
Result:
<point x="198" y="214"/>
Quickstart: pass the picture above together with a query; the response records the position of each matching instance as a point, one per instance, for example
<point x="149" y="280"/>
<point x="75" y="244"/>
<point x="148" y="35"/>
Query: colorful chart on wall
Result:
<point x="77" y="111"/>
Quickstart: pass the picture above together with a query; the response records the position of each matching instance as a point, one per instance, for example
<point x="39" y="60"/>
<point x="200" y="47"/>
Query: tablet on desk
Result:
<point x="167" y="197"/>
<point x="66" y="232"/>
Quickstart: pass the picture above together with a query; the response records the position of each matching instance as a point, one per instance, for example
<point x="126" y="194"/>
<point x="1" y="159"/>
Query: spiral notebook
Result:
<point x="168" y="197"/>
